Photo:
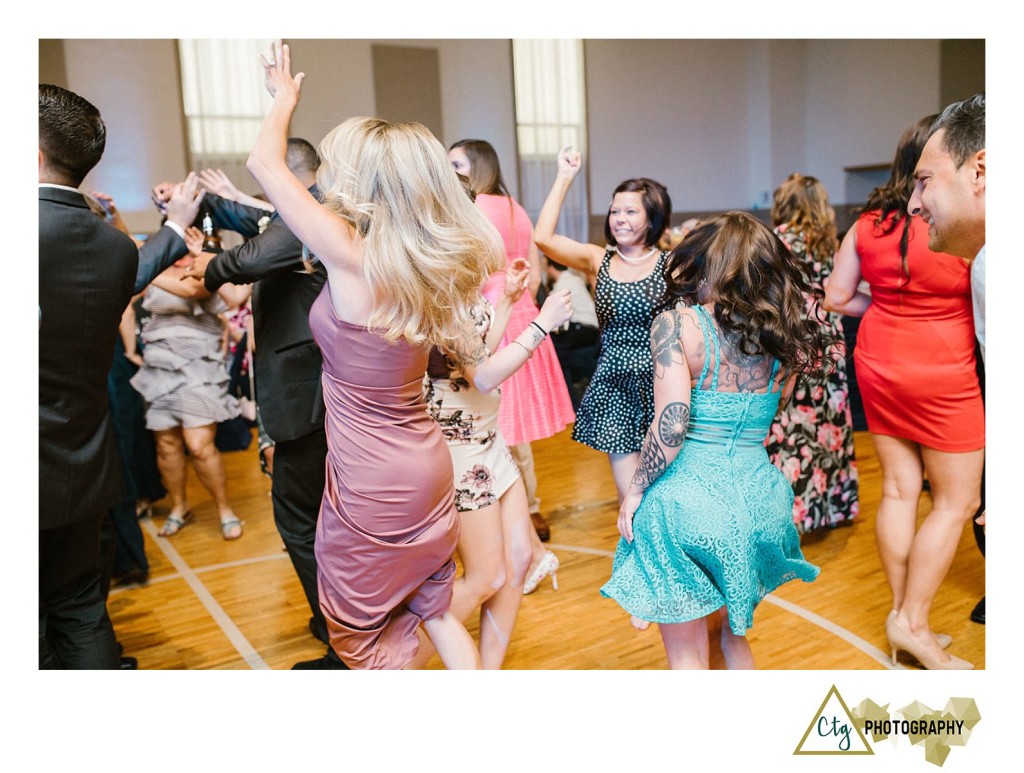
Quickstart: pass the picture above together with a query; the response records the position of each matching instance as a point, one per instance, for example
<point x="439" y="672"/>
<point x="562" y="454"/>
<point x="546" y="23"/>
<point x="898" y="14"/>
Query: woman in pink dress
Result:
<point x="406" y="253"/>
<point x="535" y="402"/>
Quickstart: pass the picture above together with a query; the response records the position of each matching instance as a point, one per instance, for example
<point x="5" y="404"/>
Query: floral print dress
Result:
<point x="811" y="439"/>
<point x="484" y="468"/>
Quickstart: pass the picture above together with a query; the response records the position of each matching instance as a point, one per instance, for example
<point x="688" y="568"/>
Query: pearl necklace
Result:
<point x="641" y="259"/>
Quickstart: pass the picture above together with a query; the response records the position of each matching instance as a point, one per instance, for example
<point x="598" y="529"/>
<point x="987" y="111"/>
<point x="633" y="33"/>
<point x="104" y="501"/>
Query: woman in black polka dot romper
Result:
<point x="618" y="406"/>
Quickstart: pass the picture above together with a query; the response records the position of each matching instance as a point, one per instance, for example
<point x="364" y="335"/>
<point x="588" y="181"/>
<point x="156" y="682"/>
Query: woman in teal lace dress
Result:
<point x="706" y="523"/>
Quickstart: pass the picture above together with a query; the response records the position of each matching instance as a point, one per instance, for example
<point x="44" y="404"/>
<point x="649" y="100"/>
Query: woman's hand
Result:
<point x="556" y="311"/>
<point x="135" y="358"/>
<point x="194" y="241"/>
<point x="278" y="72"/>
<point x="215" y="181"/>
<point x="569" y="162"/>
<point x="517" y="277"/>
<point x="627" y="510"/>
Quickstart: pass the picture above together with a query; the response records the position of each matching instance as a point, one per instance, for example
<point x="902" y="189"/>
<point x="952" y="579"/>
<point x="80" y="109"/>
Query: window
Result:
<point x="225" y="101"/>
<point x="550" y="114"/>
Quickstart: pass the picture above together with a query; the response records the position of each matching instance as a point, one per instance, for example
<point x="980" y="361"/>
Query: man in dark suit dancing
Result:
<point x="287" y="366"/>
<point x="88" y="272"/>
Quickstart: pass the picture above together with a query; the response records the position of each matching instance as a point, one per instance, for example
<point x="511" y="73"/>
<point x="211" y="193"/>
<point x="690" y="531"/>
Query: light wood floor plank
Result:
<point x="254" y="593"/>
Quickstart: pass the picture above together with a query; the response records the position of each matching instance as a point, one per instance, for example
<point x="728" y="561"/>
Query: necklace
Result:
<point x="641" y="259"/>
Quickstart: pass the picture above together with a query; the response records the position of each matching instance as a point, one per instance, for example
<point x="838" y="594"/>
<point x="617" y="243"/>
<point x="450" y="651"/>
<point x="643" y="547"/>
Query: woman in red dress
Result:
<point x="916" y="373"/>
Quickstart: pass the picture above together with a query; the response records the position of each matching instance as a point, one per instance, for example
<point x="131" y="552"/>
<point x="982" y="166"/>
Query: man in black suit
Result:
<point x="88" y="272"/>
<point x="287" y="366"/>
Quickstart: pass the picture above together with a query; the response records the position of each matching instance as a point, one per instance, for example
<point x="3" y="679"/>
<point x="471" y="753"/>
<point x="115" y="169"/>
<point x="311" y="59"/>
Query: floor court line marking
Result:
<point x="836" y="630"/>
<point x="235" y="636"/>
<point x="243" y="646"/>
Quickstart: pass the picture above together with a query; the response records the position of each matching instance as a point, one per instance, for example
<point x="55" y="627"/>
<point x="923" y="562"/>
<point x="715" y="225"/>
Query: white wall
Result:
<point x="719" y="122"/>
<point x="722" y="122"/>
<point x="135" y="85"/>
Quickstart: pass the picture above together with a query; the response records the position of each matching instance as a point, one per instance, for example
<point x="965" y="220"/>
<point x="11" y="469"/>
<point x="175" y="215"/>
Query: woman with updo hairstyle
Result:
<point x="811" y="440"/>
<point x="628" y="275"/>
<point x="406" y="254"/>
<point x="706" y="522"/>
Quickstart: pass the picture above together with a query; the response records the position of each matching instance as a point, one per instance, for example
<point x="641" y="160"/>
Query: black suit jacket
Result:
<point x="88" y="272"/>
<point x="287" y="363"/>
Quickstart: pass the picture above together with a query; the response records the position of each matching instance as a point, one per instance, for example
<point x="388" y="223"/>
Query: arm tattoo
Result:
<point x="536" y="336"/>
<point x="672" y="424"/>
<point x="652" y="462"/>
<point x="666" y="342"/>
<point x="469" y="350"/>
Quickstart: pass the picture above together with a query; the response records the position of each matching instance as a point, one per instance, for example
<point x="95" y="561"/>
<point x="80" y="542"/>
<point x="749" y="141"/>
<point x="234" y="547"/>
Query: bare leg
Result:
<point x="686" y="644"/>
<point x="209" y="467"/>
<point x="623" y="469"/>
<point x="955" y="483"/>
<point x="896" y="522"/>
<point x="453" y="642"/>
<point x="735" y="649"/>
<point x="482" y="553"/>
<point x="170" y="459"/>
<point x="498" y="614"/>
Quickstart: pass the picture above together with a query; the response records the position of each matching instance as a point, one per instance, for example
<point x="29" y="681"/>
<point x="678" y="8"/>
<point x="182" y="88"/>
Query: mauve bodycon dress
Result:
<point x="388" y="525"/>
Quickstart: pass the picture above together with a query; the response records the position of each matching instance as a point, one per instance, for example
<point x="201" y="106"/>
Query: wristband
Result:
<point x="542" y="330"/>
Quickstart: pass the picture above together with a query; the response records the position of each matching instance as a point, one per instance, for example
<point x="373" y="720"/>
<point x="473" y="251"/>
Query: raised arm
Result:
<point x="486" y="371"/>
<point x="842" y="295"/>
<point x="516" y="279"/>
<point x="215" y="181"/>
<point x="331" y="238"/>
<point x="568" y="252"/>
<point x="671" y="413"/>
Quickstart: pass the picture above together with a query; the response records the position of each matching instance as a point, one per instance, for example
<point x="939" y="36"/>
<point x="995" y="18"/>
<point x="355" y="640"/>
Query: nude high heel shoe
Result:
<point x="943" y="639"/>
<point x="547" y="565"/>
<point x="900" y="639"/>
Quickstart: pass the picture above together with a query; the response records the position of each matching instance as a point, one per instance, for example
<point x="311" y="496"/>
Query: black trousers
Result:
<point x="296" y="491"/>
<point x="75" y="631"/>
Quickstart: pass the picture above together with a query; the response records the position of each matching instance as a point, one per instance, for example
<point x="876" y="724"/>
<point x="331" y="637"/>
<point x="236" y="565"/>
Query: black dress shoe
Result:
<point x="326" y="663"/>
<point x="541" y="526"/>
<point x="134" y="576"/>
<point x="129" y="664"/>
<point x="978" y="613"/>
<point x="318" y="633"/>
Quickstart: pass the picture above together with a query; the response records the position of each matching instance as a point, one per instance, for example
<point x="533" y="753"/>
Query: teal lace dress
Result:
<point x="716" y="528"/>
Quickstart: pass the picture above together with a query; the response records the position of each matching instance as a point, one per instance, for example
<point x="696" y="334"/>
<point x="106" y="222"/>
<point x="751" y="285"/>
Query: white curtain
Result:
<point x="550" y="114"/>
<point x="225" y="100"/>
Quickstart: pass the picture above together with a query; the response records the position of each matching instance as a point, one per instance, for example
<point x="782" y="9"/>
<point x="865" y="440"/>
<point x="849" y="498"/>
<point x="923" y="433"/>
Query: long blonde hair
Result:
<point x="427" y="249"/>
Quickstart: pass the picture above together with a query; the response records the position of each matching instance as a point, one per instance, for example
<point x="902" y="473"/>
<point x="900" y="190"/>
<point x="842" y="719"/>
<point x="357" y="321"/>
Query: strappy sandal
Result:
<point x="227" y="529"/>
<point x="174" y="524"/>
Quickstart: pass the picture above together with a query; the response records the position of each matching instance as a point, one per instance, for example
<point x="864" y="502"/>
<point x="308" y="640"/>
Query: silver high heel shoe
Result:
<point x="547" y="565"/>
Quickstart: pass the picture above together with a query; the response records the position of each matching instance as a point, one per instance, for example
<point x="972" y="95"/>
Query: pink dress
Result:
<point x="535" y="401"/>
<point x="388" y="526"/>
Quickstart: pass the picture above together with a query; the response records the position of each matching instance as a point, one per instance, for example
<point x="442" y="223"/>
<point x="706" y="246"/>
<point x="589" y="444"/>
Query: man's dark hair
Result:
<point x="72" y="134"/>
<point x="964" y="123"/>
<point x="301" y="156"/>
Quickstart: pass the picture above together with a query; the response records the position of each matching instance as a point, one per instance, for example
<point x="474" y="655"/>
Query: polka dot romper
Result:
<point x="618" y="406"/>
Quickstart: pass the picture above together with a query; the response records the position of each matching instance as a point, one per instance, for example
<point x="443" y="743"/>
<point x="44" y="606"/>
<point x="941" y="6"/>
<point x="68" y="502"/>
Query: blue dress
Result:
<point x="716" y="528"/>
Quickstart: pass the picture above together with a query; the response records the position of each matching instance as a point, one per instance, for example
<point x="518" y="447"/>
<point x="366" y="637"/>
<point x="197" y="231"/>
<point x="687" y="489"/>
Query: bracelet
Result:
<point x="525" y="349"/>
<point x="542" y="330"/>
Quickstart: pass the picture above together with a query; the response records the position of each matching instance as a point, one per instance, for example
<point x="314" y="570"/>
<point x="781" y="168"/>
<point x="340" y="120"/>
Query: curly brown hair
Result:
<point x="759" y="292"/>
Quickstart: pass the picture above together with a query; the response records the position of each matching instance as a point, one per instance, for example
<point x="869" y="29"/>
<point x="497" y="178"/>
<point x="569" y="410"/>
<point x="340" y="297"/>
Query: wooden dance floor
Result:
<point x="211" y="604"/>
